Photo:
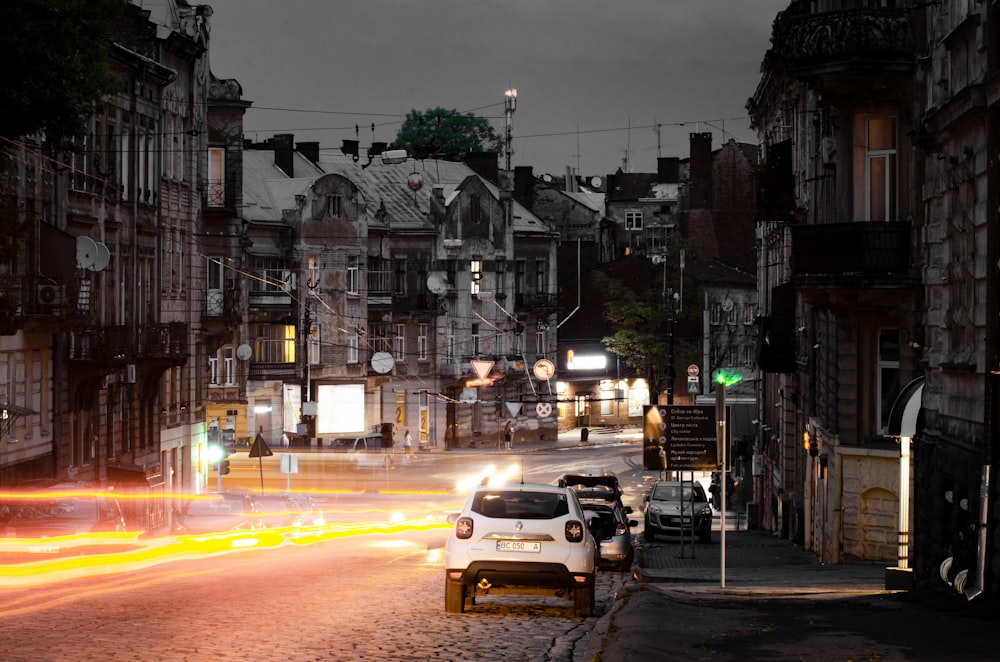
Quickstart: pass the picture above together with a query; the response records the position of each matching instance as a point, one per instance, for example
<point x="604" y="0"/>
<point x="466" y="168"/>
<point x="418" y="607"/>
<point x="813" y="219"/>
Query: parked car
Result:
<point x="287" y="510"/>
<point x="675" y="508"/>
<point x="60" y="510"/>
<point x="217" y="513"/>
<point x="364" y="451"/>
<point x="600" y="495"/>
<point x="520" y="538"/>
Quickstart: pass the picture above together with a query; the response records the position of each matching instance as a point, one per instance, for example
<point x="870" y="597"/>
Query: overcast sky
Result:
<point x="585" y="70"/>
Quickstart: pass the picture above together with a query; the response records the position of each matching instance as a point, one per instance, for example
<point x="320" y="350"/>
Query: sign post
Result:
<point x="723" y="379"/>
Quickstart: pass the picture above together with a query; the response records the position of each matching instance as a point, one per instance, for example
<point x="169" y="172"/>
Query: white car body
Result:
<point x="521" y="538"/>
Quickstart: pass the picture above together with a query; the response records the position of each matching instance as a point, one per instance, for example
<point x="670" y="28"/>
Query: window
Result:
<point x="422" y="342"/>
<point x="352" y="345"/>
<point x="313" y="343"/>
<point x="541" y="277"/>
<point x="450" y="348"/>
<point x="379" y="337"/>
<point x="499" y="344"/>
<point x="214" y="378"/>
<point x="476" y="267"/>
<point x="216" y="194"/>
<point x="229" y="366"/>
<point x="888" y="373"/>
<point x="475" y="209"/>
<point x="748" y="313"/>
<point x="633" y="220"/>
<point x="313" y="274"/>
<point x="540" y="343"/>
<point x="476" y="350"/>
<point x="875" y="179"/>
<point x="334" y="205"/>
<point x="273" y="343"/>
<point x="400" y="342"/>
<point x="272" y="276"/>
<point x="519" y="268"/>
<point x="501" y="276"/>
<point x="353" y="275"/>
<point x="399" y="276"/>
<point x="715" y="313"/>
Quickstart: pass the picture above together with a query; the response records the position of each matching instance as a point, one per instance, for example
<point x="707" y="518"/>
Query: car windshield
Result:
<point x="57" y="509"/>
<point x="677" y="492"/>
<point x="524" y="505"/>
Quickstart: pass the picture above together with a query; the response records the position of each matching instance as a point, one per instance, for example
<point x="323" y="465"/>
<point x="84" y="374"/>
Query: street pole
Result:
<point x="671" y="374"/>
<point x="720" y="440"/>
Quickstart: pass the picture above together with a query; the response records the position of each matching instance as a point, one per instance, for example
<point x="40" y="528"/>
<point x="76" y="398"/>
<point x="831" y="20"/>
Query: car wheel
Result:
<point x="583" y="600"/>
<point x="454" y="597"/>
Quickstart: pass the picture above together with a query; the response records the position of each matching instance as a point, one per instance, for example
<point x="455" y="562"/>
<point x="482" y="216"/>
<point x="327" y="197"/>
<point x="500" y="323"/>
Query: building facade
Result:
<point x="878" y="284"/>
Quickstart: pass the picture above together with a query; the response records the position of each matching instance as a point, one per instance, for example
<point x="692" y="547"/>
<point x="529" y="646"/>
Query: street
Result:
<point x="375" y="597"/>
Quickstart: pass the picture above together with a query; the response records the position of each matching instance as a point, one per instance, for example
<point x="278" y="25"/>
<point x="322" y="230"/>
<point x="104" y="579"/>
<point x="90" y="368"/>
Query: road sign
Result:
<point x="693" y="370"/>
<point x="686" y="432"/>
<point x="543" y="409"/>
<point x="544" y="369"/>
<point x="260" y="447"/>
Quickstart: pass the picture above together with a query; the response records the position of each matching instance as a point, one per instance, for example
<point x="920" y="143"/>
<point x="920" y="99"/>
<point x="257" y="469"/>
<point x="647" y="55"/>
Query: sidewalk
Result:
<point x="756" y="563"/>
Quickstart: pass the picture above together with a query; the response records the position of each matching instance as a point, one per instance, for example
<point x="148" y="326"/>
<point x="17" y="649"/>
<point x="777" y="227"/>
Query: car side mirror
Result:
<point x="633" y="522"/>
<point x="628" y="510"/>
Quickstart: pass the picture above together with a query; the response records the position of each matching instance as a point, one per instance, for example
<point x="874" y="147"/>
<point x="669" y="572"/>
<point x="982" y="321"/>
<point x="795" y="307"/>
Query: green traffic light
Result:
<point x="214" y="453"/>
<point x="727" y="377"/>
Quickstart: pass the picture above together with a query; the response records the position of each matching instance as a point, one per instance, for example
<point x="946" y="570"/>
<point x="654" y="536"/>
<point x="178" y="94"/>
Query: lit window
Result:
<point x="875" y="198"/>
<point x="476" y="267"/>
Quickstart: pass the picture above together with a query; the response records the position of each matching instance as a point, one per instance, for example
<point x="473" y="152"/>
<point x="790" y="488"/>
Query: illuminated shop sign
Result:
<point x="576" y="361"/>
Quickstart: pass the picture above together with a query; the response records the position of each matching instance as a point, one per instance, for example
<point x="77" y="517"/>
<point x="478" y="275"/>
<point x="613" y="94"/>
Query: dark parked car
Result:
<point x="676" y="508"/>
<point x="600" y="495"/>
<point x="60" y="510"/>
<point x="217" y="513"/>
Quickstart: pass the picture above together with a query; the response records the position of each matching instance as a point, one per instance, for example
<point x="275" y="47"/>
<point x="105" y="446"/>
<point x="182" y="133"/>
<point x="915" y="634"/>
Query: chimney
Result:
<point x="284" y="153"/>
<point x="484" y="164"/>
<point x="701" y="170"/>
<point x="668" y="169"/>
<point x="524" y="186"/>
<point x="309" y="150"/>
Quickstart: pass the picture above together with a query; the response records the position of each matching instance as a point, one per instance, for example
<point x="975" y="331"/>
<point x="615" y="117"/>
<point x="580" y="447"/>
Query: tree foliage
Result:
<point x="57" y="69"/>
<point x="445" y="134"/>
<point x="642" y="316"/>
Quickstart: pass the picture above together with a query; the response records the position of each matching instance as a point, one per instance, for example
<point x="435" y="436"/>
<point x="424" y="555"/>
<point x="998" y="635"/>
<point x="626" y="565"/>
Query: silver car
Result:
<point x="678" y="508"/>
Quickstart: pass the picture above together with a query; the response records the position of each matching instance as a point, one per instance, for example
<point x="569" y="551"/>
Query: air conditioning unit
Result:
<point x="49" y="294"/>
<point x="129" y="376"/>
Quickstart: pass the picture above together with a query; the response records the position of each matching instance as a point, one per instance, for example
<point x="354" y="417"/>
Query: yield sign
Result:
<point x="514" y="408"/>
<point x="260" y="447"/>
<point x="482" y="368"/>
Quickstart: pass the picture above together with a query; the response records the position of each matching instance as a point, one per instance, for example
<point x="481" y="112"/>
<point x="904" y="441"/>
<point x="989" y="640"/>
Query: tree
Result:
<point x="58" y="71"/>
<point x="641" y="316"/>
<point x="445" y="134"/>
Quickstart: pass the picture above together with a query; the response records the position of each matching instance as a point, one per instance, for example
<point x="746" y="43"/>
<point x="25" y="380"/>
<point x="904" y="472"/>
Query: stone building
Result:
<point x="878" y="280"/>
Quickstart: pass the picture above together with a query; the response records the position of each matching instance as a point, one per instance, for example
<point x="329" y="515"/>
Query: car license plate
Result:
<point x="518" y="546"/>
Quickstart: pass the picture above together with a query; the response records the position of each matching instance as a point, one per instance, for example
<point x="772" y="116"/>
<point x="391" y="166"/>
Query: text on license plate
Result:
<point x="518" y="546"/>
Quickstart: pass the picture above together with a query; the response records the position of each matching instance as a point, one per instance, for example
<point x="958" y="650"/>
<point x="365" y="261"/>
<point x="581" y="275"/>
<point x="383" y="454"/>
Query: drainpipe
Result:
<point x="974" y="591"/>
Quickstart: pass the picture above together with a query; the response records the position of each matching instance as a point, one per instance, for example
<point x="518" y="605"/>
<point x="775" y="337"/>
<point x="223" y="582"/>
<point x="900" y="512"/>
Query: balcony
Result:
<point x="120" y="343"/>
<point x="852" y="256"/>
<point x="818" y="37"/>
<point x="536" y="300"/>
<point x="286" y="372"/>
<point x="421" y="302"/>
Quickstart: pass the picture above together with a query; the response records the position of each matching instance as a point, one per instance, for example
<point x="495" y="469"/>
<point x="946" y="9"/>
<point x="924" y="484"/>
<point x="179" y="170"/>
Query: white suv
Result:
<point x="520" y="538"/>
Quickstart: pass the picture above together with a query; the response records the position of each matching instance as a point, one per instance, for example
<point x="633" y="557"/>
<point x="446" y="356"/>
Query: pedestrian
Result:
<point x="508" y="435"/>
<point x="408" y="443"/>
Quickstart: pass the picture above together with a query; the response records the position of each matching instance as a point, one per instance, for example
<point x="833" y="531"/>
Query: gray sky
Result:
<point x="585" y="70"/>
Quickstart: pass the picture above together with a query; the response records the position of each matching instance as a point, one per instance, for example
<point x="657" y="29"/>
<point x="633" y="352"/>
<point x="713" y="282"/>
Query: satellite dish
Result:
<point x="595" y="182"/>
<point x="436" y="283"/>
<point x="547" y="178"/>
<point x="86" y="252"/>
<point x="102" y="259"/>
<point x="382" y="362"/>
<point x="244" y="352"/>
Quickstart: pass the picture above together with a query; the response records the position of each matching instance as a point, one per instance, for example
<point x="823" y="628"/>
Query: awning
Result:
<point x="906" y="417"/>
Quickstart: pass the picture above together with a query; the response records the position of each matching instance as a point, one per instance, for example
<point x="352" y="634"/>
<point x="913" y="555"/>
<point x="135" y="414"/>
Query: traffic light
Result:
<point x="214" y="454"/>
<point x="224" y="467"/>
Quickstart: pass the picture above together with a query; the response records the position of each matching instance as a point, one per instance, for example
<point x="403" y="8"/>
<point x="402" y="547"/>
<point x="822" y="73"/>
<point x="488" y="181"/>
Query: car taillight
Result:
<point x="463" y="528"/>
<point x="621" y="529"/>
<point x="574" y="531"/>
